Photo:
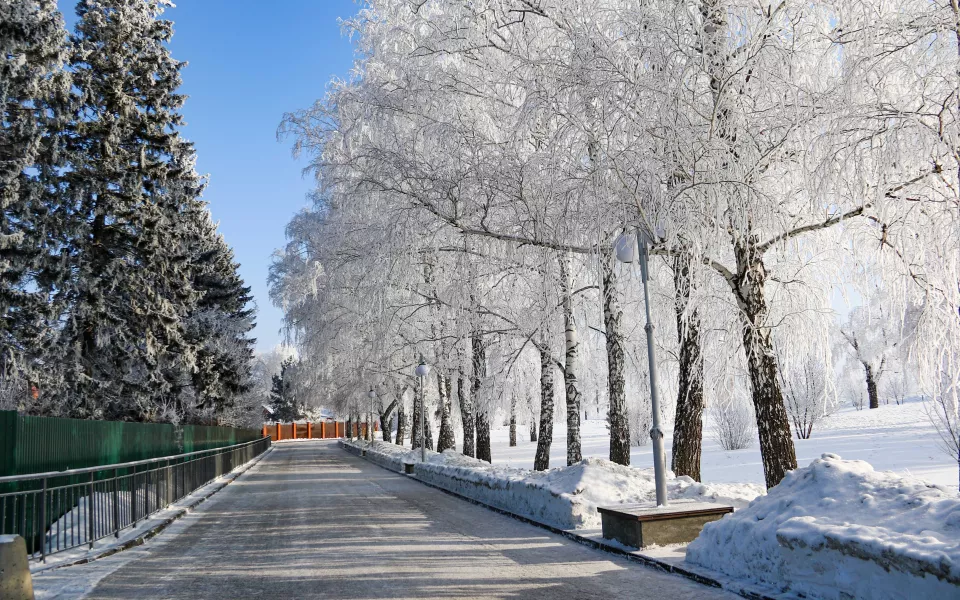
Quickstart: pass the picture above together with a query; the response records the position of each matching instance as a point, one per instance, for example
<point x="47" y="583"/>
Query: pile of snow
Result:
<point x="566" y="497"/>
<point x="839" y="529"/>
<point x="597" y="482"/>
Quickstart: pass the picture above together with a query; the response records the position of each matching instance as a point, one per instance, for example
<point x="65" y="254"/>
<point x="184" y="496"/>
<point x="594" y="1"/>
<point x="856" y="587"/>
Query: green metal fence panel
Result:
<point x="40" y="444"/>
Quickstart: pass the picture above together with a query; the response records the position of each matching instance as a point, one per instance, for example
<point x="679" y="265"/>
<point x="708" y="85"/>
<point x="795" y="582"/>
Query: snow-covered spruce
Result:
<point x="839" y="529"/>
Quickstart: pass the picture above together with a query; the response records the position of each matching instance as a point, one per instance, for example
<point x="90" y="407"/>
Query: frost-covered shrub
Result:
<point x="734" y="426"/>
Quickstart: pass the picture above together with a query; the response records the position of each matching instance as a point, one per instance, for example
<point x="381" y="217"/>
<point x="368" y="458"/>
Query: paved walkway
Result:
<point x="311" y="521"/>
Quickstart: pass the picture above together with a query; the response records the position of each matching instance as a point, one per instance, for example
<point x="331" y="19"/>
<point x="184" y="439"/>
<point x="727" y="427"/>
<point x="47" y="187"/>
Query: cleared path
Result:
<point x="311" y="521"/>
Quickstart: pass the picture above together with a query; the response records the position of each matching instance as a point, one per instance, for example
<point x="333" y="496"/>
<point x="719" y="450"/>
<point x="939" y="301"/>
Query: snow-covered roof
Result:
<point x="267" y="408"/>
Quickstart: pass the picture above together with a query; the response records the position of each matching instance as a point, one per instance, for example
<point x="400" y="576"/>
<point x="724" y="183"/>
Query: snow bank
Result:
<point x="566" y="498"/>
<point x="839" y="529"/>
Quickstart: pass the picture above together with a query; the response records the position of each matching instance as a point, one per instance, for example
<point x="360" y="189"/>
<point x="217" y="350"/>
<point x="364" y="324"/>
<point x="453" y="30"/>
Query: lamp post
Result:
<point x="372" y="395"/>
<point x="422" y="371"/>
<point x="627" y="252"/>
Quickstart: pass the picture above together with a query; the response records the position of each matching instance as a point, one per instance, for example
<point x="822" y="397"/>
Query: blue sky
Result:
<point x="250" y="62"/>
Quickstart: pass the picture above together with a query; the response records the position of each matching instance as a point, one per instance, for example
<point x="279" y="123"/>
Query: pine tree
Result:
<point x="130" y="176"/>
<point x="219" y="326"/>
<point x="282" y="398"/>
<point x="32" y="85"/>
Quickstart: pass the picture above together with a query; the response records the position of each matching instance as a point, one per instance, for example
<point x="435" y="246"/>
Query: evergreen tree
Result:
<point x="282" y="398"/>
<point x="220" y="324"/>
<point x="32" y="85"/>
<point x="130" y="176"/>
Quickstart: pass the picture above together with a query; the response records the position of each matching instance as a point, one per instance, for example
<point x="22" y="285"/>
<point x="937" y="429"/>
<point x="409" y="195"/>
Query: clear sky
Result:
<point x="250" y="62"/>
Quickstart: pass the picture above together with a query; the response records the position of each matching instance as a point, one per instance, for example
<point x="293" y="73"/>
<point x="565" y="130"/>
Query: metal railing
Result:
<point x="62" y="510"/>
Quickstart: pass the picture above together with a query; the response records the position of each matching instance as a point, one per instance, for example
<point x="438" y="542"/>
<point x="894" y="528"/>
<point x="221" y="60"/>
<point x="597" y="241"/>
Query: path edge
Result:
<point x="155" y="530"/>
<point x="649" y="561"/>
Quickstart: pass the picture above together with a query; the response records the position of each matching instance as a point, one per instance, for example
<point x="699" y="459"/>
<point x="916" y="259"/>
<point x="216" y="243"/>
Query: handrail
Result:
<point x="137" y="463"/>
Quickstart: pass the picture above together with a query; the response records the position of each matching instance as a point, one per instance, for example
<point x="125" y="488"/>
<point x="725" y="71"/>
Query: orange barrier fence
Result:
<point x="317" y="431"/>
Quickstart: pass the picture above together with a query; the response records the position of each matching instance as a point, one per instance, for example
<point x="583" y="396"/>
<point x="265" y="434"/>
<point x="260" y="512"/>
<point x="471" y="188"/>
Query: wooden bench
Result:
<point x="642" y="525"/>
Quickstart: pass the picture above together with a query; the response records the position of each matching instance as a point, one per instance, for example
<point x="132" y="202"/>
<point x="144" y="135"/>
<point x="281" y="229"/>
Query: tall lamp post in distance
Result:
<point x="422" y="371"/>
<point x="372" y="395"/>
<point x="627" y="248"/>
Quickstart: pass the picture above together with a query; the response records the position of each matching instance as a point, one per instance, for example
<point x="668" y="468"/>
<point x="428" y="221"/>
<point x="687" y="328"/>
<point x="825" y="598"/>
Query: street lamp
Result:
<point x="372" y="395"/>
<point x="422" y="371"/>
<point x="627" y="251"/>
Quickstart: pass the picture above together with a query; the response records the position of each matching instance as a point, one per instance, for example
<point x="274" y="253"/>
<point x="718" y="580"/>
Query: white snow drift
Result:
<point x="566" y="497"/>
<point x="839" y="529"/>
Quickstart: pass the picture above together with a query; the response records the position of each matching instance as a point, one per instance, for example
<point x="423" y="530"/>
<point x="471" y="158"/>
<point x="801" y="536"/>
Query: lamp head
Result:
<point x="371" y="394"/>
<point x="626" y="248"/>
<point x="423" y="369"/>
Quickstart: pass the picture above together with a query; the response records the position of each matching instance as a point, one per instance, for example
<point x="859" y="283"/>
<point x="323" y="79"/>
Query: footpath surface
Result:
<point x="311" y="521"/>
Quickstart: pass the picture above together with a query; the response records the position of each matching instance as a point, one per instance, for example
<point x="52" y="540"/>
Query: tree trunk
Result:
<point x="483" y="437"/>
<point x="427" y="427"/>
<point x="571" y="345"/>
<point x="773" y="424"/>
<point x="446" y="441"/>
<point x="513" y="421"/>
<point x="349" y="429"/>
<point x="688" y="424"/>
<point x="616" y="386"/>
<point x="541" y="461"/>
<point x="401" y="422"/>
<point x="466" y="416"/>
<point x="482" y="419"/>
<point x="871" y="386"/>
<point x="415" y="426"/>
<point x="533" y="420"/>
<point x="385" y="416"/>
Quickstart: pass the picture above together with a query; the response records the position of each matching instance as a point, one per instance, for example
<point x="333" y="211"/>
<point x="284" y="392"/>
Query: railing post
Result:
<point x="91" y="513"/>
<point x="43" y="522"/>
<point x="133" y="496"/>
<point x="279" y="432"/>
<point x="116" y="504"/>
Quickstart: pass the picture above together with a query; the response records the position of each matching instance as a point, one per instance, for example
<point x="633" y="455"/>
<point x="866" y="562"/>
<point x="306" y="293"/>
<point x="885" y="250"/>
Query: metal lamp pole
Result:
<point x="422" y="371"/>
<point x="625" y="253"/>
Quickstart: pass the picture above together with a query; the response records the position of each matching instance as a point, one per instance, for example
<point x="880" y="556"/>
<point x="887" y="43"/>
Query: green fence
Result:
<point x="41" y="444"/>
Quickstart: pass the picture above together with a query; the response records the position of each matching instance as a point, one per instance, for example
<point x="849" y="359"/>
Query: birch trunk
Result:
<point x="482" y="420"/>
<point x="427" y="428"/>
<point x="466" y="416"/>
<point x="446" y="440"/>
<point x="688" y="424"/>
<point x="533" y="419"/>
<point x="401" y="422"/>
<point x="415" y="426"/>
<point x="513" y="422"/>
<point x="872" y="393"/>
<point x="571" y="344"/>
<point x="541" y="461"/>
<point x="773" y="424"/>
<point x="616" y="386"/>
<point x="385" y="417"/>
<point x="483" y="436"/>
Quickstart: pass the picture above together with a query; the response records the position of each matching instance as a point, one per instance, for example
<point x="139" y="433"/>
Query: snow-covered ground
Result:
<point x="891" y="438"/>
<point x="839" y="529"/>
<point x="563" y="497"/>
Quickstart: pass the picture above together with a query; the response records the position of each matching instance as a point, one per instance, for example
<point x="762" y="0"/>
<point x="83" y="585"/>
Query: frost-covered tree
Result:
<point x="874" y="336"/>
<point x="283" y="397"/>
<point x="32" y="89"/>
<point x="129" y="176"/>
<point x="218" y="327"/>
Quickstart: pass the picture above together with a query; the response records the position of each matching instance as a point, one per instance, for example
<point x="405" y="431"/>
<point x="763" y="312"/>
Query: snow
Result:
<point x="891" y="438"/>
<point x="837" y="529"/>
<point x="565" y="497"/>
